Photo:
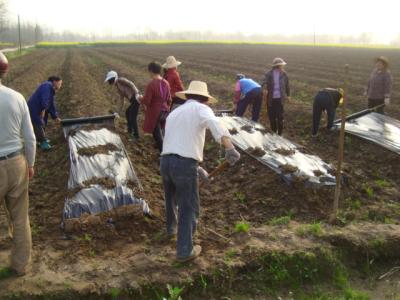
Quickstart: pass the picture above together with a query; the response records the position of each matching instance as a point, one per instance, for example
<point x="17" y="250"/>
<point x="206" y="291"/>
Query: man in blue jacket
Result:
<point x="247" y="91"/>
<point x="41" y="104"/>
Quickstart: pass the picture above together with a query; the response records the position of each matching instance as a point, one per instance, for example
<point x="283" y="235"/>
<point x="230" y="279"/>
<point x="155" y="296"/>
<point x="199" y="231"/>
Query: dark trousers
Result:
<point x="179" y="176"/>
<point x="39" y="132"/>
<point x="131" y="114"/>
<point x="176" y="102"/>
<point x="323" y="102"/>
<point x="375" y="102"/>
<point x="253" y="97"/>
<point x="275" y="114"/>
<point x="158" y="130"/>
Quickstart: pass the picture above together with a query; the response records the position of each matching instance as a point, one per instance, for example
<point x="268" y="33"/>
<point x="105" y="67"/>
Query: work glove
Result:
<point x="387" y="101"/>
<point x="203" y="175"/>
<point x="232" y="156"/>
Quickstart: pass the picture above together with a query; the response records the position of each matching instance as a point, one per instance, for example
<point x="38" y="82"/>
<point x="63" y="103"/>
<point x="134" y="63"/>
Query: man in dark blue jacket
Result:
<point x="327" y="100"/>
<point x="41" y="104"/>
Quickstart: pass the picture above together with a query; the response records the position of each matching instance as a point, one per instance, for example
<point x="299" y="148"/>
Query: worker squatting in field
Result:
<point x="41" y="104"/>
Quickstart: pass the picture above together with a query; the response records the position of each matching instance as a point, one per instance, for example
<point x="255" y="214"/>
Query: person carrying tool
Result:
<point x="157" y="101"/>
<point x="276" y="87"/>
<point x="247" y="91"/>
<point x="42" y="103"/>
<point x="328" y="100"/>
<point x="126" y="90"/>
<point x="183" y="150"/>
<point x="379" y="86"/>
<point x="17" y="158"/>
<point x="172" y="76"/>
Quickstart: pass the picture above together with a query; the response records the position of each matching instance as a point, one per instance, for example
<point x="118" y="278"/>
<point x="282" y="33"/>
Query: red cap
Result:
<point x="3" y="64"/>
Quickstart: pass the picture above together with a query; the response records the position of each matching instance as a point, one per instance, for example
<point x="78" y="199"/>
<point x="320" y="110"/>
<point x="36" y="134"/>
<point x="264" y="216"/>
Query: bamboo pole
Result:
<point x="341" y="147"/>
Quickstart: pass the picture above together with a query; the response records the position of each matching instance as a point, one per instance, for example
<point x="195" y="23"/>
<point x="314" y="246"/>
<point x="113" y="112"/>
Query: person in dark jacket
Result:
<point x="328" y="100"/>
<point x="247" y="91"/>
<point x="379" y="85"/>
<point x="41" y="104"/>
<point x="277" y="90"/>
<point x="126" y="90"/>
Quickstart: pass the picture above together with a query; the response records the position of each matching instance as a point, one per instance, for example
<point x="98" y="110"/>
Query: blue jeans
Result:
<point x="181" y="199"/>
<point x="254" y="97"/>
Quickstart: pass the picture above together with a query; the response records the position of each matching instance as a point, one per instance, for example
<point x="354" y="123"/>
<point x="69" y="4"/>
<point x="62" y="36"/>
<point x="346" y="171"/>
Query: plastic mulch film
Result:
<point x="101" y="174"/>
<point x="278" y="153"/>
<point x="377" y="128"/>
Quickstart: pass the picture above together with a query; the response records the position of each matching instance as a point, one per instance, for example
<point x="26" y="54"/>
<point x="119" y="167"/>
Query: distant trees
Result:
<point x="34" y="33"/>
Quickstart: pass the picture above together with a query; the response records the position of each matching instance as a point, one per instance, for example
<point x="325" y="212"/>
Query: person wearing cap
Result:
<point x="126" y="90"/>
<point x="172" y="76"/>
<point x="379" y="86"/>
<point x="276" y="87"/>
<point x="182" y="152"/>
<point x="17" y="159"/>
<point x="247" y="91"/>
<point x="41" y="104"/>
<point x="328" y="100"/>
<point x="157" y="101"/>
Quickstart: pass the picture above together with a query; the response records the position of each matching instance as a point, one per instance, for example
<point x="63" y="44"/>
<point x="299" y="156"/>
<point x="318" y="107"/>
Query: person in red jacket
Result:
<point x="157" y="100"/>
<point x="172" y="76"/>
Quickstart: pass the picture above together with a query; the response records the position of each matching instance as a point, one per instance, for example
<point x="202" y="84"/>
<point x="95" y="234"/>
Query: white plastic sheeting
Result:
<point x="114" y="165"/>
<point x="377" y="128"/>
<point x="255" y="136"/>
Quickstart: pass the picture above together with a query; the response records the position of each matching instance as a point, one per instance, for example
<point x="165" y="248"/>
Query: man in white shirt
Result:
<point x="17" y="158"/>
<point x="182" y="151"/>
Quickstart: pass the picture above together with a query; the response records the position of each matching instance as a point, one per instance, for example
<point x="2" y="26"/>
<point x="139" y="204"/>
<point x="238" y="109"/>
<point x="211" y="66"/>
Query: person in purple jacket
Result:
<point x="41" y="104"/>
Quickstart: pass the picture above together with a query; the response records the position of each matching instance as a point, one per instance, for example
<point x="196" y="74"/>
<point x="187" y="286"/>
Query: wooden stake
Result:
<point x="341" y="147"/>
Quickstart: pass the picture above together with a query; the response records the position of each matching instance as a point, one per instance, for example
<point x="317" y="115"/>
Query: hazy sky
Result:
<point x="250" y="16"/>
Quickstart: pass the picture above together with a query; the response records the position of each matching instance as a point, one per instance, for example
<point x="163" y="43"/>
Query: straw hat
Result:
<point x="197" y="88"/>
<point x="383" y="59"/>
<point x="278" y="62"/>
<point x="171" y="63"/>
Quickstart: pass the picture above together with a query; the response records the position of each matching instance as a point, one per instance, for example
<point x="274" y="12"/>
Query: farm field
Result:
<point x="261" y="238"/>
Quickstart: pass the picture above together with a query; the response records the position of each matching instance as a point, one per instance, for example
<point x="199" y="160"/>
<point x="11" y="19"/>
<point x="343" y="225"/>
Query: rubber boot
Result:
<point x="45" y="146"/>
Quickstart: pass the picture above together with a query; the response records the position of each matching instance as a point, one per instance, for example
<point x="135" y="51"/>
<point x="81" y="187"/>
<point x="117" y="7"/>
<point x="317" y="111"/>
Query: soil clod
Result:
<point x="285" y="151"/>
<point x="101" y="149"/>
<point x="233" y="131"/>
<point x="286" y="169"/>
<point x="257" y="151"/>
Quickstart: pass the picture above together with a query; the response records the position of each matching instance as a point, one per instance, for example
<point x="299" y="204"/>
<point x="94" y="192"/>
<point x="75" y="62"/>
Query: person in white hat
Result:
<point x="276" y="87"/>
<point x="175" y="83"/>
<point x="182" y="152"/>
<point x="126" y="90"/>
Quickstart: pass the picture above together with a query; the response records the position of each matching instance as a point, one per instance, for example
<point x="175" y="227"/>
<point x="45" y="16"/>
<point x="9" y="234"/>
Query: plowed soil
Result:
<point x="127" y="250"/>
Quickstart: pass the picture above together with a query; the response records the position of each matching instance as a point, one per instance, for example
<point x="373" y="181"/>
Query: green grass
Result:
<point x="14" y="54"/>
<point x="382" y="183"/>
<point x="199" y="42"/>
<point x="314" y="229"/>
<point x="284" y="220"/>
<point x="5" y="273"/>
<point x="242" y="227"/>
<point x="240" y="196"/>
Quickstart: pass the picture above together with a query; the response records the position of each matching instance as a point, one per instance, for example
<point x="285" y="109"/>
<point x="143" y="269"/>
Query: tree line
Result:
<point x="32" y="33"/>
